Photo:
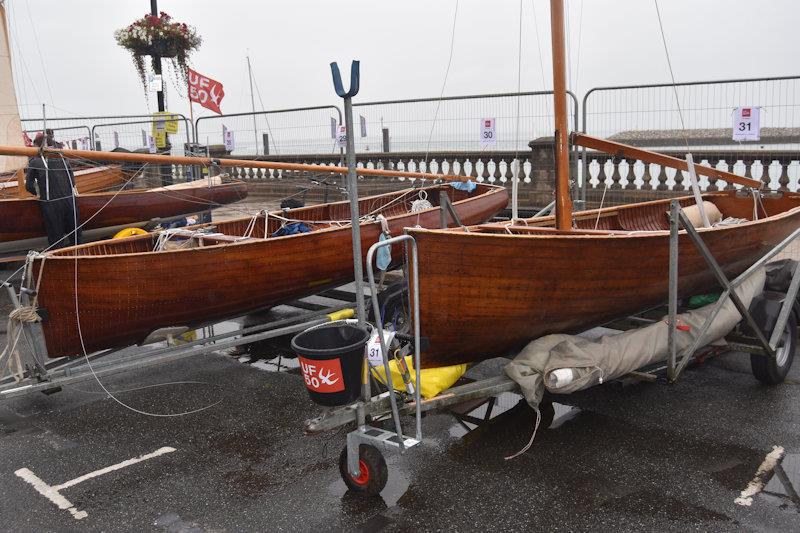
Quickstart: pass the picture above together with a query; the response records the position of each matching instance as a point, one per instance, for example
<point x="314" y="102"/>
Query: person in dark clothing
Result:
<point x="53" y="178"/>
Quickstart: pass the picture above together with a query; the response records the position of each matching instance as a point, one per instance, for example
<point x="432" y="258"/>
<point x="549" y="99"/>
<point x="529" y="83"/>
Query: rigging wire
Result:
<point x="86" y="354"/>
<point x="444" y="84"/>
<point x="39" y="51"/>
<point x="578" y="58"/>
<point x="672" y="75"/>
<point x="273" y="140"/>
<point x="517" y="164"/>
<point x="568" y="39"/>
<point x="14" y="37"/>
<point x="538" y="44"/>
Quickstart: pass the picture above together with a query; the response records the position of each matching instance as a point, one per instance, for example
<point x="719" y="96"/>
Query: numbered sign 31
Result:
<point x="488" y="132"/>
<point x="747" y="124"/>
<point x="374" y="353"/>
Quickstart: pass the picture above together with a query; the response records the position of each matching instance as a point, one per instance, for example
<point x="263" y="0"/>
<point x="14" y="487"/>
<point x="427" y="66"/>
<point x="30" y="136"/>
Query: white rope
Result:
<point x="17" y="318"/>
<point x="86" y="354"/>
<point x="755" y="204"/>
<point x="599" y="209"/>
<point x="420" y="205"/>
<point x="533" y="436"/>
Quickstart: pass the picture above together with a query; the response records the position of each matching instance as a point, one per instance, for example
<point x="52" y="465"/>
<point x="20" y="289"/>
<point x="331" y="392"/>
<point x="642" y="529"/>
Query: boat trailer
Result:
<point x="44" y="375"/>
<point x="770" y="342"/>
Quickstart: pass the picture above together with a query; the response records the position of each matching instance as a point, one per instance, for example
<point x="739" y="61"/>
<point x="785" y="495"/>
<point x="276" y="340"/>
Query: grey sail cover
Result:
<point x="612" y="356"/>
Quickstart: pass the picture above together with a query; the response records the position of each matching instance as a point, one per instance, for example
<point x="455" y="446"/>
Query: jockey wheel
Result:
<point x="374" y="473"/>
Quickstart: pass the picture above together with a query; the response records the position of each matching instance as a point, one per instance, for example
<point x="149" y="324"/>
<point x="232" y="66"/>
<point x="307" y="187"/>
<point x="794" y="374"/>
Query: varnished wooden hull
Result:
<point x="122" y="297"/>
<point x="87" y="180"/>
<point x="21" y="218"/>
<point x="487" y="294"/>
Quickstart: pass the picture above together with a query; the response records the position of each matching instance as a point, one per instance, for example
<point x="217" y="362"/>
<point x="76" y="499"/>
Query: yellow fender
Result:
<point x="129" y="232"/>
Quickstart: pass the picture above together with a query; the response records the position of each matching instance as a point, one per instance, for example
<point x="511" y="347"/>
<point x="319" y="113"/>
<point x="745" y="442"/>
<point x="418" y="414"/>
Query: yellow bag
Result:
<point x="434" y="380"/>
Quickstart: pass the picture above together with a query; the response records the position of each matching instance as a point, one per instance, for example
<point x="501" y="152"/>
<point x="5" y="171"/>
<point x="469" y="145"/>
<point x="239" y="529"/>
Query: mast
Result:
<point x="563" y="199"/>
<point x="10" y="125"/>
<point x="252" y="103"/>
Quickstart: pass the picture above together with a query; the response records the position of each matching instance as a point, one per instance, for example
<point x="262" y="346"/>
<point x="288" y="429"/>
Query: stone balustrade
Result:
<point x="618" y="180"/>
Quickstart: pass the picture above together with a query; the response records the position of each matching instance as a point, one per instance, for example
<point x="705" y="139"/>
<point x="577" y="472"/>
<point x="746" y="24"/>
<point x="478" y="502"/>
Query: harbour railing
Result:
<point x="447" y="135"/>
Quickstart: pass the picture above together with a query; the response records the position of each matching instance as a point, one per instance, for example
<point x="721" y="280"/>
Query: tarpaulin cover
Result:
<point x="612" y="356"/>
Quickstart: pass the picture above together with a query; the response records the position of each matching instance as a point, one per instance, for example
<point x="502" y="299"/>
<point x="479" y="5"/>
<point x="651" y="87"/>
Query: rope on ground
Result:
<point x="533" y="436"/>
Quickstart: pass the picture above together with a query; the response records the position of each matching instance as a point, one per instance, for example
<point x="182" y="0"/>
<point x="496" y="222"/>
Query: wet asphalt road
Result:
<point x="649" y="457"/>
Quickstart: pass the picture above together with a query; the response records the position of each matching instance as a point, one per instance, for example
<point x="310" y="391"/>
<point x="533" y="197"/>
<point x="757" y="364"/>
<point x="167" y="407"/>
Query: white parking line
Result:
<point x="53" y="493"/>
<point x="756" y="485"/>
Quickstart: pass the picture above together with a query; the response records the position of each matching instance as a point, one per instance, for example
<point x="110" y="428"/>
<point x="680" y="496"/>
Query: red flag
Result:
<point x="205" y="91"/>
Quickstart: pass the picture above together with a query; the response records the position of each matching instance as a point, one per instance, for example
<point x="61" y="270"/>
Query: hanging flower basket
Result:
<point x="159" y="36"/>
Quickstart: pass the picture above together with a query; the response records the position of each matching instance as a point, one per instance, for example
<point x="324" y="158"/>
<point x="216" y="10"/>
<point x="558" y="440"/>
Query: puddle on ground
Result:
<point x="277" y="364"/>
<point x="783" y="488"/>
<point x="504" y="403"/>
<point x="671" y="508"/>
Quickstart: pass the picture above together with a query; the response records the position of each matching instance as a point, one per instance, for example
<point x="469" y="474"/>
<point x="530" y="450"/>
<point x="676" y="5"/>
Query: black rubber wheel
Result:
<point x="392" y="302"/>
<point x="772" y="371"/>
<point x="374" y="472"/>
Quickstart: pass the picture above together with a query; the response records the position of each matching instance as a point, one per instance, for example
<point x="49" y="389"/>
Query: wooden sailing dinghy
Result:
<point x="126" y="288"/>
<point x="94" y="179"/>
<point x="488" y="290"/>
<point x="105" y="213"/>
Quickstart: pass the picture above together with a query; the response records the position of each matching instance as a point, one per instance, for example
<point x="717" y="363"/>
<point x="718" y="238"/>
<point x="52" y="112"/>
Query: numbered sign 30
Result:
<point x="746" y="124"/>
<point x="488" y="131"/>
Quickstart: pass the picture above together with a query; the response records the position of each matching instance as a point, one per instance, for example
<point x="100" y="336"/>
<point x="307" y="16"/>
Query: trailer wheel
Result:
<point x="374" y="472"/>
<point x="772" y="371"/>
<point x="392" y="303"/>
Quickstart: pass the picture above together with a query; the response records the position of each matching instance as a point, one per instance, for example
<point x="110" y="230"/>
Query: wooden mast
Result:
<point x="563" y="199"/>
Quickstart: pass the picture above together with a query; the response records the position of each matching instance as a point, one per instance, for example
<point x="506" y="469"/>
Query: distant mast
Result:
<point x="253" y="105"/>
<point x="563" y="198"/>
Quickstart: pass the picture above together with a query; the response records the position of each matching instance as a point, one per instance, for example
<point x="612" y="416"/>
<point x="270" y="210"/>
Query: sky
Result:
<point x="64" y="53"/>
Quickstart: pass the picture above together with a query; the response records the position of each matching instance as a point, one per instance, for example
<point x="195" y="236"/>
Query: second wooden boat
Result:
<point x="124" y="289"/>
<point x="94" y="179"/>
<point x="105" y="213"/>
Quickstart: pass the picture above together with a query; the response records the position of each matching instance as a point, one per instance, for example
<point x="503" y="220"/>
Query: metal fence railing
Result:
<point x="444" y="134"/>
<point x="77" y="137"/>
<point x="133" y="135"/>
<point x="454" y="123"/>
<point x="305" y="130"/>
<point x="648" y="116"/>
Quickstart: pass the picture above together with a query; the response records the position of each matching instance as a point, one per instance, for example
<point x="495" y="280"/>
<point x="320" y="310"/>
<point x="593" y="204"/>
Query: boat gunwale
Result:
<point x="612" y="234"/>
<point x="128" y="192"/>
<point x="52" y="255"/>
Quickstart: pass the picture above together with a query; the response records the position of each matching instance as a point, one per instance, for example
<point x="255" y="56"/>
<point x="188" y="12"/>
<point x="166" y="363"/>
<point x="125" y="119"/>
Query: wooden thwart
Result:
<point x="624" y="150"/>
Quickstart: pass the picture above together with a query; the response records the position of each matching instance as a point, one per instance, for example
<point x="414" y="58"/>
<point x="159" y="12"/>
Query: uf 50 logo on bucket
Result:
<point x="322" y="376"/>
